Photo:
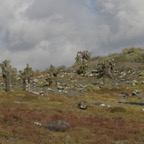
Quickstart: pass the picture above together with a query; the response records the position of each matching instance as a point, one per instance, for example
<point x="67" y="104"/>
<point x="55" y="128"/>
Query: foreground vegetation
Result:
<point x="119" y="123"/>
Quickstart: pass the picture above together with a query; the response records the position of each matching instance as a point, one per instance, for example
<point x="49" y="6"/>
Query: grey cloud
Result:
<point x="47" y="8"/>
<point x="44" y="32"/>
<point x="125" y="17"/>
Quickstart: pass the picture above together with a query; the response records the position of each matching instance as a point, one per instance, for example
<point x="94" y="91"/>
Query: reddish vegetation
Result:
<point x="18" y="115"/>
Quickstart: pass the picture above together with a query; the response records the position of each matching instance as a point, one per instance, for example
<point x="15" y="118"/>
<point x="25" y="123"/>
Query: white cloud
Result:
<point x="44" y="32"/>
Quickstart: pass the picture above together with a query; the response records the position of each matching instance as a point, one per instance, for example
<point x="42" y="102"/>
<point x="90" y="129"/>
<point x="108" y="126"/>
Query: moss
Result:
<point x="90" y="88"/>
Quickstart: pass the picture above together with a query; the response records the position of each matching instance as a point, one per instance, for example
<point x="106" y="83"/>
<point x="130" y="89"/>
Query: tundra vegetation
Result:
<point x="98" y="100"/>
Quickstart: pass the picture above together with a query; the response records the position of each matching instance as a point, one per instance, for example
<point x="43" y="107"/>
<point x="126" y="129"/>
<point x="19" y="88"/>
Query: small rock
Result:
<point x="60" y="91"/>
<point x="46" y="85"/>
<point x="82" y="105"/>
<point x="41" y="93"/>
<point x="142" y="82"/>
<point x="124" y="94"/>
<point x="37" y="123"/>
<point x="117" y="84"/>
<point x="102" y="105"/>
<point x="65" y="92"/>
<point x="62" y="76"/>
<point x="128" y="82"/>
<point x="108" y="106"/>
<point x="58" y="126"/>
<point x="67" y="138"/>
<point x="101" y="83"/>
<point x="49" y="89"/>
<point x="134" y="83"/>
<point x="60" y="87"/>
<point x="135" y="93"/>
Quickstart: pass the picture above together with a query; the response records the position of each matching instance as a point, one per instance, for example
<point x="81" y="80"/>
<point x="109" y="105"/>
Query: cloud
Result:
<point x="44" y="32"/>
<point x="124" y="21"/>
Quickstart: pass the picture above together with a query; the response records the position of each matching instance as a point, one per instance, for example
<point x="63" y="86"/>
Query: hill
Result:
<point x="103" y="104"/>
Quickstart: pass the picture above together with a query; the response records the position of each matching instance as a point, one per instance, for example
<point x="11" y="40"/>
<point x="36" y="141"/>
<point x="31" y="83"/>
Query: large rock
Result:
<point x="58" y="126"/>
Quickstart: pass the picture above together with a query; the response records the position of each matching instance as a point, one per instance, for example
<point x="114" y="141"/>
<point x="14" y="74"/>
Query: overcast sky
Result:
<point x="44" y="32"/>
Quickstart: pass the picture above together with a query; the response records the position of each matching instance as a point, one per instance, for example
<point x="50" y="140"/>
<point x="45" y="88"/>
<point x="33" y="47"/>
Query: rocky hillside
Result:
<point x="117" y="70"/>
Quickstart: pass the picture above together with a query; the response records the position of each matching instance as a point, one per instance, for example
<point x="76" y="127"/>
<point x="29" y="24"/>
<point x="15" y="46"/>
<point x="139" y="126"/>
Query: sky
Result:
<point x="45" y="32"/>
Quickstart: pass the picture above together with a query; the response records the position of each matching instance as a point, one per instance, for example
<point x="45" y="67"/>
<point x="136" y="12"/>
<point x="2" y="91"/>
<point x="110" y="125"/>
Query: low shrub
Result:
<point x="116" y="109"/>
<point x="90" y="88"/>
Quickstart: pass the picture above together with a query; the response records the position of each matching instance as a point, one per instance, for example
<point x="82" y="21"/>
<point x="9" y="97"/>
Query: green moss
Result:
<point x="90" y="88"/>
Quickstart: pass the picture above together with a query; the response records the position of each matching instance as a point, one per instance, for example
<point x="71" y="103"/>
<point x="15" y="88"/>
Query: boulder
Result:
<point x="58" y="126"/>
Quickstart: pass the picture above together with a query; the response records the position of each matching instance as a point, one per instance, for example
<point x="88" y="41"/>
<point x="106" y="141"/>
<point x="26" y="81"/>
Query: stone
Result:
<point x="41" y="93"/>
<point x="58" y="126"/>
<point x="35" y="81"/>
<point x="37" y="123"/>
<point x="50" y="89"/>
<point x="82" y="105"/>
<point x="60" y="87"/>
<point x="134" y="83"/>
<point x="124" y="94"/>
<point x="46" y="85"/>
<point x="102" y="105"/>
<point x="142" y="82"/>
<point x="135" y="93"/>
<point x="101" y="83"/>
<point x="117" y="84"/>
